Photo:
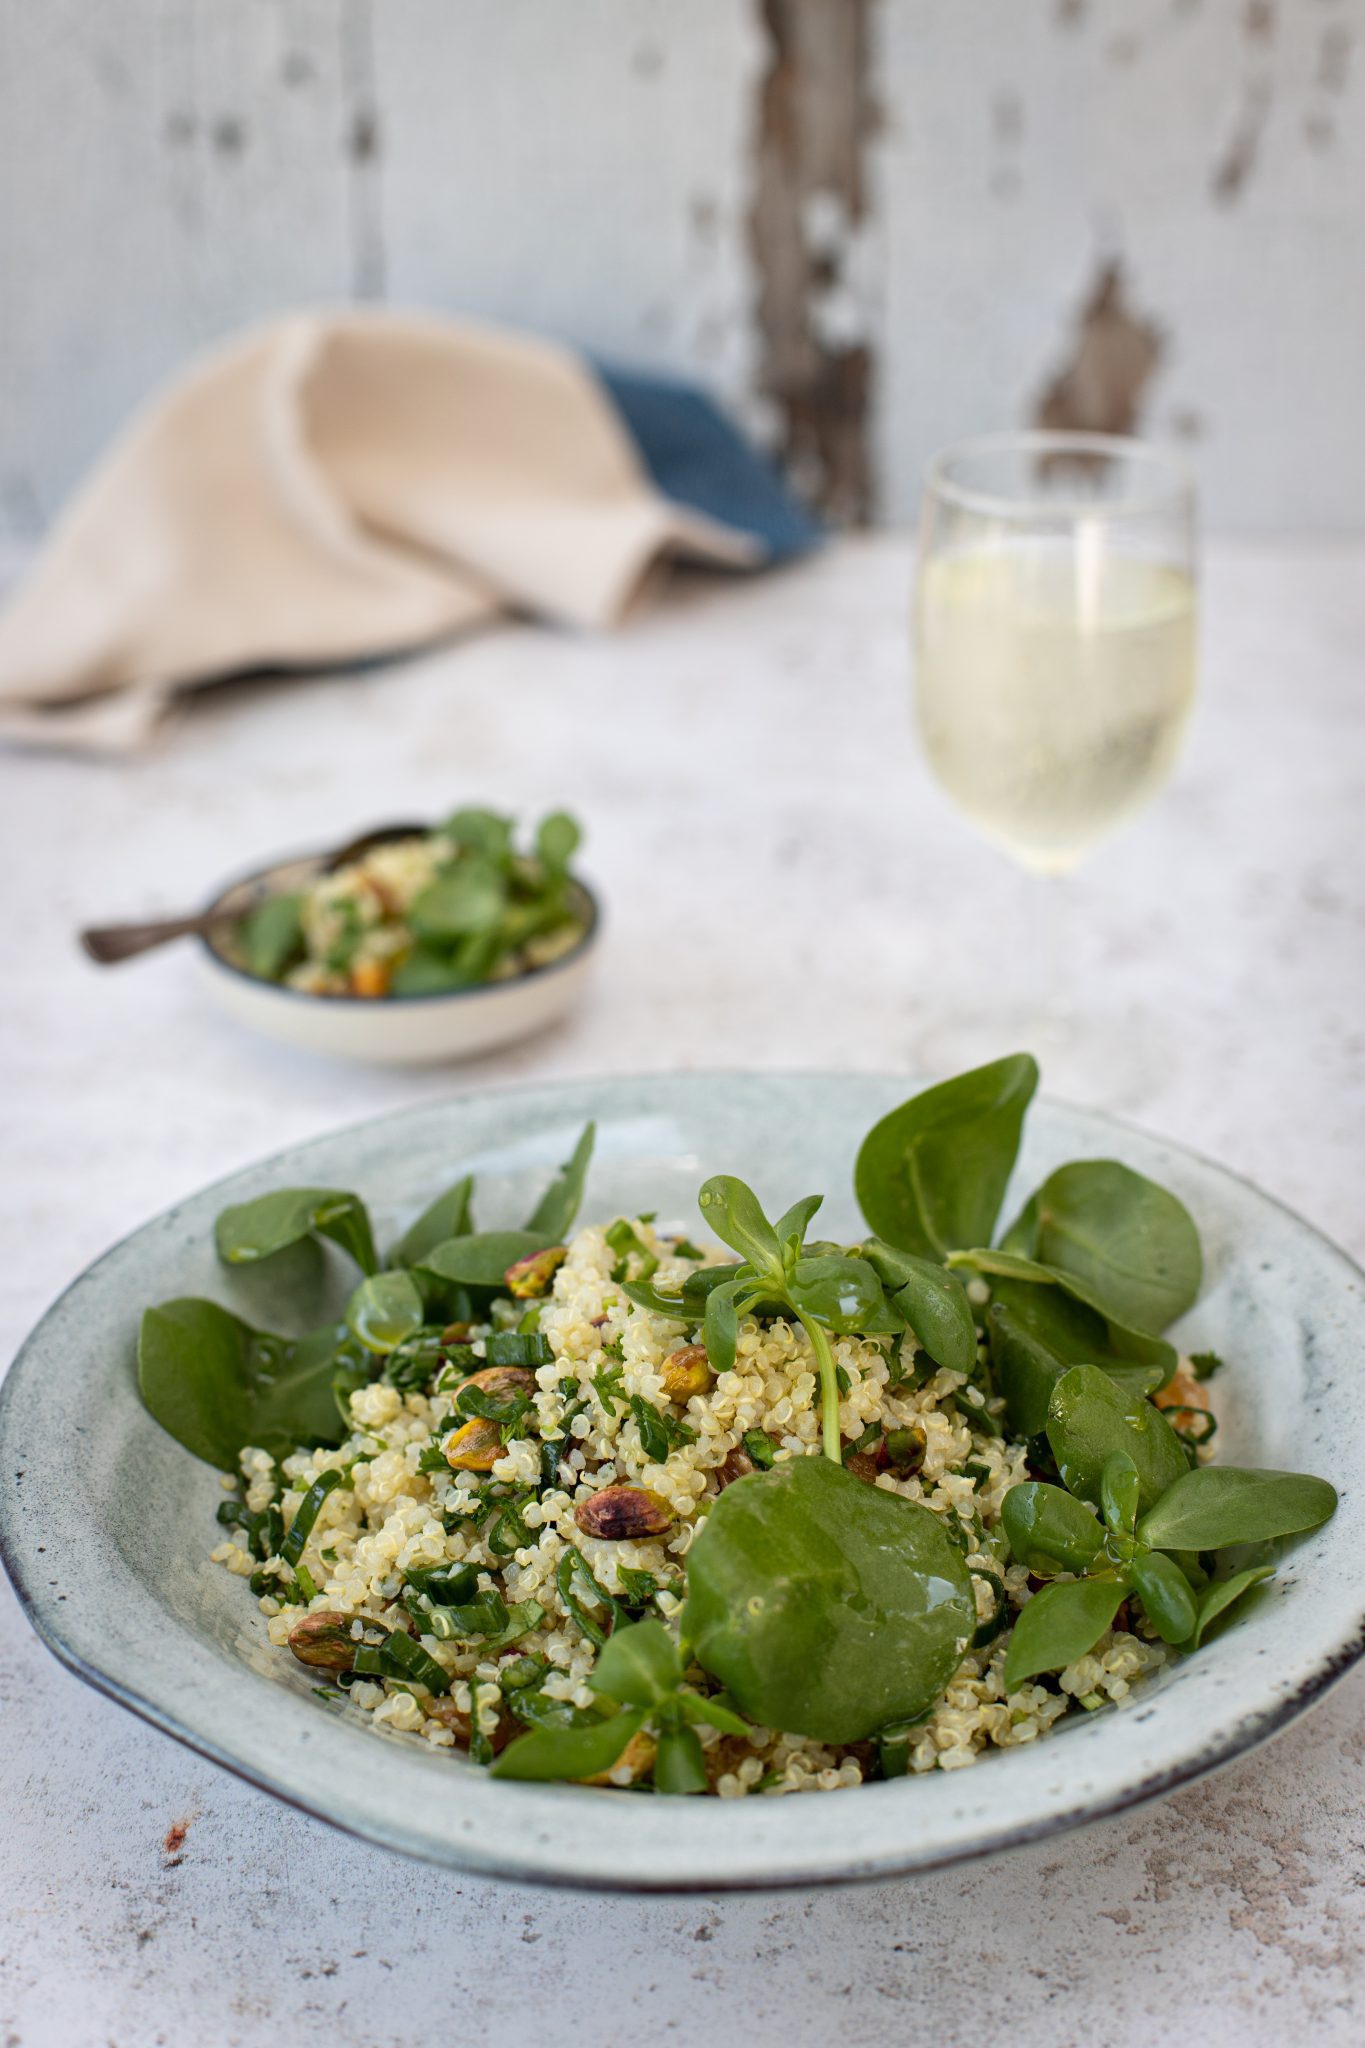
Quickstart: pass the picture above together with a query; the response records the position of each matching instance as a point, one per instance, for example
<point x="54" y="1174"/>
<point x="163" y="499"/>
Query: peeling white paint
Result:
<point x="172" y="169"/>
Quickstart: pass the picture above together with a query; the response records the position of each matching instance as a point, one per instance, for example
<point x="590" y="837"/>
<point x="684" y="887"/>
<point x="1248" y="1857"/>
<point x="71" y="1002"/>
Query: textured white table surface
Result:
<point x="785" y="888"/>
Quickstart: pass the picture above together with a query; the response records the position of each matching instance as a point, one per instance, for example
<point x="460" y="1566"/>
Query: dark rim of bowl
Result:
<point x="372" y="1004"/>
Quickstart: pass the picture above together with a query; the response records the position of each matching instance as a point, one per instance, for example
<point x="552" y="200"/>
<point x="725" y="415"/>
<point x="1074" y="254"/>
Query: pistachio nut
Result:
<point x="620" y="1512"/>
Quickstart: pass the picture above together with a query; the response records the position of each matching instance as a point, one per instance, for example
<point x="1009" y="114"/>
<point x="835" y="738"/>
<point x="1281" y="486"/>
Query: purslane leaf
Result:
<point x="1165" y="1594"/>
<point x="1061" y="1623"/>
<point x="1221" y="1594"/>
<point x="1049" y="1530"/>
<point x="216" y="1384"/>
<point x="250" y="1231"/>
<point x="554" y="1213"/>
<point x="679" y="1766"/>
<point x="1089" y="1419"/>
<point x="639" y="1665"/>
<point x="1061" y="1310"/>
<point x="1132" y="1244"/>
<point x="450" y="1215"/>
<point x="931" y="1175"/>
<point x="570" y="1753"/>
<point x="823" y="1605"/>
<point x="791" y="1226"/>
<point x="933" y="1302"/>
<point x="720" y="1325"/>
<point x="696" y="1706"/>
<point x="1218" y="1505"/>
<point x="384" y="1309"/>
<point x="1026" y="1371"/>
<point x="482" y="1260"/>
<point x="1119" y="1489"/>
<point x="733" y="1211"/>
<point x="842" y="1293"/>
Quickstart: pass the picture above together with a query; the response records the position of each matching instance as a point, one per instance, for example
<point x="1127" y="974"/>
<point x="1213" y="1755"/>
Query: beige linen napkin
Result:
<point x="329" y="488"/>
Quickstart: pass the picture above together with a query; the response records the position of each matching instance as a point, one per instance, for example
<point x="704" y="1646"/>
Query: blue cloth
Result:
<point x="697" y="458"/>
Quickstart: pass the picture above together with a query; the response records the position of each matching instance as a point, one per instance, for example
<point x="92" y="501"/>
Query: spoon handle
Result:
<point x="110" y="943"/>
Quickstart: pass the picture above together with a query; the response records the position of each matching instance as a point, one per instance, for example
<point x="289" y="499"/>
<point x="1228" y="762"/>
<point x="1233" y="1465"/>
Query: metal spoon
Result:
<point x="110" y="943"/>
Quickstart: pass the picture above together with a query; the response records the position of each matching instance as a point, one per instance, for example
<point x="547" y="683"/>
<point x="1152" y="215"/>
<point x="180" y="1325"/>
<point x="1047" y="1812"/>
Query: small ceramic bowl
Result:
<point x="392" y="1030"/>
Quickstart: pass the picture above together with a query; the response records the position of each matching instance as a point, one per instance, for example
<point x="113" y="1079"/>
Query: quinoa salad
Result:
<point x="423" y="913"/>
<point x="622" y="1506"/>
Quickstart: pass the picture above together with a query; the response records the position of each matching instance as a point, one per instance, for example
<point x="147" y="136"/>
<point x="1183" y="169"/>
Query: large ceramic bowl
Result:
<point x="397" y="1030"/>
<point x="106" y="1529"/>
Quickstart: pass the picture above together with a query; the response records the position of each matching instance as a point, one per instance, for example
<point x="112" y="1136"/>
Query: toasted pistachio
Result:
<point x="905" y="1449"/>
<point x="686" y="1372"/>
<point x="636" y="1758"/>
<point x="863" y="1465"/>
<point x="530" y="1277"/>
<point x="501" y="1379"/>
<point x="737" y="1465"/>
<point x="619" y="1512"/>
<point x="457" y="1333"/>
<point x="476" y="1447"/>
<point x="324" y="1640"/>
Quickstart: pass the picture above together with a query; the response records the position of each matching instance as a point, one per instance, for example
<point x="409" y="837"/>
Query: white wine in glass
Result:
<point x="1054" y="634"/>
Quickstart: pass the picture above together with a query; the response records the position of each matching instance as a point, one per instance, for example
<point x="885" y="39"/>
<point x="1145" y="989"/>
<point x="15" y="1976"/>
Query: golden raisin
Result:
<point x="370" y="978"/>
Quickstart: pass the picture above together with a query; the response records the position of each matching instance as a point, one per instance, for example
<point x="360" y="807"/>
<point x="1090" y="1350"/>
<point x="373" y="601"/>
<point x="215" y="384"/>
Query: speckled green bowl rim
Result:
<point x="396" y="1792"/>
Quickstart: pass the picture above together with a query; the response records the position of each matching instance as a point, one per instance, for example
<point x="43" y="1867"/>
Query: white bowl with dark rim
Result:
<point x="392" y="1030"/>
<point x="106" y="1522"/>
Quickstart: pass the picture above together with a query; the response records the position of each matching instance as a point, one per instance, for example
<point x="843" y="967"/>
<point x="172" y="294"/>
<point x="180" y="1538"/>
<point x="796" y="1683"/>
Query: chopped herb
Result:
<point x="1204" y="1364"/>
<point x="637" y="1588"/>
<point x="659" y="1433"/>
<point x="761" y="1448"/>
<point x="606" y="1383"/>
<point x="507" y="1532"/>
<point x="626" y="1242"/>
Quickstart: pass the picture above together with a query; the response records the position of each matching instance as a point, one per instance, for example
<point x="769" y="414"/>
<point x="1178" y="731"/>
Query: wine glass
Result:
<point x="1054" y="634"/>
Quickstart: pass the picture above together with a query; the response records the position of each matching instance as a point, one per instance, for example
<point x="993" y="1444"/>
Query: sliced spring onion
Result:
<point x="301" y="1528"/>
<point x="401" y="1657"/>
<point x="573" y="1564"/>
